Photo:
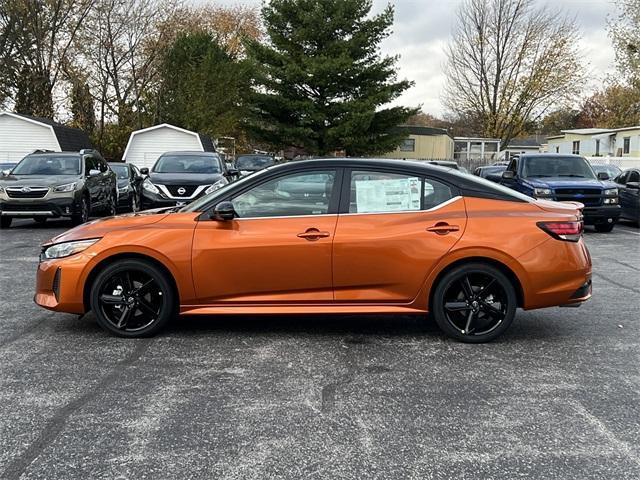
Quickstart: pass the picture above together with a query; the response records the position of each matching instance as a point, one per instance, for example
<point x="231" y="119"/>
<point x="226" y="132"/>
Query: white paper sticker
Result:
<point x="388" y="195"/>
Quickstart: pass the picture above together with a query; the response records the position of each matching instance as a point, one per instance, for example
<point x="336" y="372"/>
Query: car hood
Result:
<point x="184" y="178"/>
<point x="101" y="226"/>
<point x="37" y="180"/>
<point x="559" y="182"/>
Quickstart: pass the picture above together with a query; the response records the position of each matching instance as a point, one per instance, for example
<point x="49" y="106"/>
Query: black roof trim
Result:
<point x="420" y="130"/>
<point x="70" y="139"/>
<point x="207" y="142"/>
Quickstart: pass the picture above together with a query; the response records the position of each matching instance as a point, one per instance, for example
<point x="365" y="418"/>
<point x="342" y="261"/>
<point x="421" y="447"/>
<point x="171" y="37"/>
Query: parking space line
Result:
<point x="624" y="229"/>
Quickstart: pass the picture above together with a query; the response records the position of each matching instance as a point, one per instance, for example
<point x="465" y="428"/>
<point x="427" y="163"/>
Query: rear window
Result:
<point x="254" y="162"/>
<point x="187" y="164"/>
<point x="484" y="184"/>
<point x="48" y="165"/>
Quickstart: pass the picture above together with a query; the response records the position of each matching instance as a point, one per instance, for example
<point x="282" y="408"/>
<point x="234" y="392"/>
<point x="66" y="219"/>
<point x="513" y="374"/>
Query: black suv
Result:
<point x="58" y="184"/>
<point x="178" y="178"/>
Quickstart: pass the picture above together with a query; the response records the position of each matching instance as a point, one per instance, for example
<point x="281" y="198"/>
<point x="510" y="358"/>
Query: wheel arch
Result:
<point x="503" y="267"/>
<point x="105" y="262"/>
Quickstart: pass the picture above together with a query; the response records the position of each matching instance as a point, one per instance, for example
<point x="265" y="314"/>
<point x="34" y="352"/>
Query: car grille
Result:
<point x="26" y="192"/>
<point x="188" y="190"/>
<point x="590" y="197"/>
<point x="25" y="207"/>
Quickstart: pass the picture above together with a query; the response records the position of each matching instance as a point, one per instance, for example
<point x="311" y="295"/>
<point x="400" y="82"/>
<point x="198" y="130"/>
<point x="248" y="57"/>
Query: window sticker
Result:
<point x="388" y="195"/>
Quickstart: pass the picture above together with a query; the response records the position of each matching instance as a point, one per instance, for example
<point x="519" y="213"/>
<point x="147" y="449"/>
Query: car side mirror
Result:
<point x="144" y="171"/>
<point x="508" y="175"/>
<point x="93" y="172"/>
<point x="223" y="212"/>
<point x="634" y="185"/>
<point x="603" y="176"/>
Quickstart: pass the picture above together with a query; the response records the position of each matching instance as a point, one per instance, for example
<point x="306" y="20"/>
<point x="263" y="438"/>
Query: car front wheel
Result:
<point x="82" y="215"/>
<point x="474" y="303"/>
<point x="604" y="227"/>
<point x="133" y="298"/>
<point x="5" y="222"/>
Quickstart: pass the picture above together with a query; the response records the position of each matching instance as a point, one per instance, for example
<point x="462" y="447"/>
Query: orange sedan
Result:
<point x="327" y="236"/>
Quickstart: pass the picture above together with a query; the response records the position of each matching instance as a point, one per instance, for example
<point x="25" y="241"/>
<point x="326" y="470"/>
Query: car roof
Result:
<point x="53" y="154"/>
<point x="191" y="153"/>
<point x="550" y="155"/>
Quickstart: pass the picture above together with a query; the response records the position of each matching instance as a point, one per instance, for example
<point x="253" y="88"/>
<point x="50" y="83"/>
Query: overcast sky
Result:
<point x="423" y="27"/>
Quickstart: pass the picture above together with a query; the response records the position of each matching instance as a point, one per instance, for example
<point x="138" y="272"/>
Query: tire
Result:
<point x="133" y="299"/>
<point x="604" y="227"/>
<point x="5" y="222"/>
<point x="111" y="209"/>
<point x="83" y="215"/>
<point x="476" y="311"/>
<point x="40" y="220"/>
<point x="135" y="203"/>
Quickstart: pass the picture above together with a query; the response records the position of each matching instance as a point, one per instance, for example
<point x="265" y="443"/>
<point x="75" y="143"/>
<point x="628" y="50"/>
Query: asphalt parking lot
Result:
<point x="558" y="396"/>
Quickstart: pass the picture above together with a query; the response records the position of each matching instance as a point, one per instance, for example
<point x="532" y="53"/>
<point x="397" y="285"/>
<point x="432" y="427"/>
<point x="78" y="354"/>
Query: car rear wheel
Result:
<point x="604" y="227"/>
<point x="82" y="215"/>
<point x="135" y="203"/>
<point x="112" y="206"/>
<point x="5" y="222"/>
<point x="133" y="298"/>
<point x="474" y="303"/>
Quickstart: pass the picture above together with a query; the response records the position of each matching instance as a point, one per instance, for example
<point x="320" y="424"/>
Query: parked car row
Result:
<point x="46" y="184"/>
<point x="606" y="192"/>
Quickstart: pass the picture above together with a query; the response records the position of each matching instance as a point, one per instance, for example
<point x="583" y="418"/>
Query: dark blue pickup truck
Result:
<point x="563" y="178"/>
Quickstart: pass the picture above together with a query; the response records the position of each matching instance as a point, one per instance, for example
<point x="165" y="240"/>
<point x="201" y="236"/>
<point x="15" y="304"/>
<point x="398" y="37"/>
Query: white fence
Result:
<point x="622" y="162"/>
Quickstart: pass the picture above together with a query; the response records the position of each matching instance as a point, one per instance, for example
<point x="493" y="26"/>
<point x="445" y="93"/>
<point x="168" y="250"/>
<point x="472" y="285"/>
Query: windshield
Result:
<point x="187" y="164"/>
<point x="254" y="162"/>
<point x="122" y="171"/>
<point x="556" y="167"/>
<point x="200" y="202"/>
<point x="48" y="165"/>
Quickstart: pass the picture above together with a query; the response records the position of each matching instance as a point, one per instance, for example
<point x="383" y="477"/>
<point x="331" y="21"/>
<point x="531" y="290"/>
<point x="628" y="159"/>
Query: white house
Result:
<point x="22" y="134"/>
<point x="470" y="149"/>
<point x="146" y="145"/>
<point x="520" y="146"/>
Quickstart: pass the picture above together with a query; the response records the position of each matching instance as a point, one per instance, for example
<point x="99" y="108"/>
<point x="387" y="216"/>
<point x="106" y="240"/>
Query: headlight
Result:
<point x="61" y="250"/>
<point x="124" y="189"/>
<point x="215" y="186"/>
<point x="150" y="187"/>
<point x="542" y="192"/>
<point x="611" y="192"/>
<point x="67" y="187"/>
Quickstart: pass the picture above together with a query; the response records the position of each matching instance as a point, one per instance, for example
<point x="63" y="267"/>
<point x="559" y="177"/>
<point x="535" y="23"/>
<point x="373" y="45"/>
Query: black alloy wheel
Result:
<point x="5" y="222"/>
<point x="474" y="303"/>
<point x="133" y="298"/>
<point x="83" y="212"/>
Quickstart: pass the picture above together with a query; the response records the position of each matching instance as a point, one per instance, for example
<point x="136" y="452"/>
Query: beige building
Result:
<point x="424" y="143"/>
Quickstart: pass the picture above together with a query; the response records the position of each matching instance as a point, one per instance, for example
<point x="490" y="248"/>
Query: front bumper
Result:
<point x="154" y="200"/>
<point x="54" y="207"/>
<point x="601" y="214"/>
<point x="58" y="285"/>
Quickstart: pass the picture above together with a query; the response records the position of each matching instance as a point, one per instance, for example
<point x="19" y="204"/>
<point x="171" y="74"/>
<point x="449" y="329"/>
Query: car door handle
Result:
<point x="442" y="228"/>
<point x="313" y="234"/>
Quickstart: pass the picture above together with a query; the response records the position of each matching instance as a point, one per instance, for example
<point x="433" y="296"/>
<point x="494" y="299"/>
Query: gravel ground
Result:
<point x="558" y="396"/>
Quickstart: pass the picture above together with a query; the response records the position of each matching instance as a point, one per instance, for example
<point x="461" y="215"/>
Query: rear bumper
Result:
<point x="58" y="207"/>
<point x="559" y="274"/>
<point x="602" y="214"/>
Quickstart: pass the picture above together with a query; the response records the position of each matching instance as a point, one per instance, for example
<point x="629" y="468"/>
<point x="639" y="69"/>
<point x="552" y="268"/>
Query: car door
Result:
<point x="629" y="196"/>
<point x="396" y="228"/>
<point x="93" y="182"/>
<point x="277" y="250"/>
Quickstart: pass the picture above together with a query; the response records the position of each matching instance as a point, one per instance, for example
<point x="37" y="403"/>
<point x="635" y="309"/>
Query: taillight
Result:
<point x="569" y="231"/>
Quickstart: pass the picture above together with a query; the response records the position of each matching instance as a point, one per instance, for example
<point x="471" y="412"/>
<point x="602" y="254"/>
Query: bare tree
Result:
<point x="624" y="30"/>
<point x="35" y="41"/>
<point x="509" y="62"/>
<point x="120" y="44"/>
